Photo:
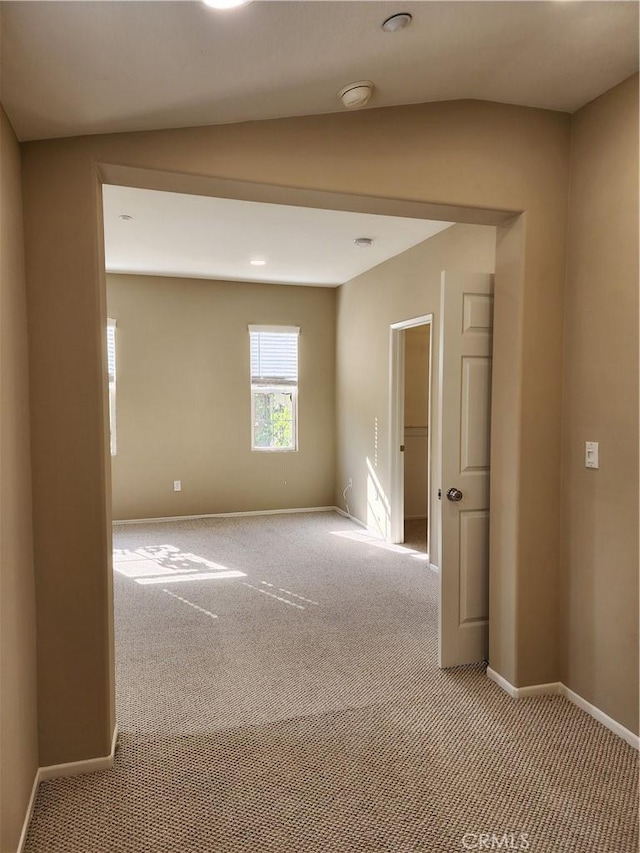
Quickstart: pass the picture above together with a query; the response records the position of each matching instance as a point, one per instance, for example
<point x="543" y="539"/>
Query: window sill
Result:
<point x="274" y="449"/>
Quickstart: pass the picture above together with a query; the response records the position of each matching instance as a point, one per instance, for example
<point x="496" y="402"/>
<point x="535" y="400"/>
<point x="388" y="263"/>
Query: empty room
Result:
<point x="319" y="426"/>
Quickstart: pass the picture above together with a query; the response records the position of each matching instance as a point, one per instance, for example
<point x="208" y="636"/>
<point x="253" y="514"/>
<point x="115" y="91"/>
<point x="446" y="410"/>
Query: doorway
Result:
<point x="417" y="352"/>
<point x="410" y="452"/>
<point x="461" y="452"/>
<point x="431" y="538"/>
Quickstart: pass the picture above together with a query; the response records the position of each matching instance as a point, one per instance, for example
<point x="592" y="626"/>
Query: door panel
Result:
<point x="476" y="412"/>
<point x="465" y="414"/>
<point x="474" y="587"/>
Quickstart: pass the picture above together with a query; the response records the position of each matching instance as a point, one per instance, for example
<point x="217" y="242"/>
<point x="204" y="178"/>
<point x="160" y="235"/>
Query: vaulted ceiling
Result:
<point x="71" y="68"/>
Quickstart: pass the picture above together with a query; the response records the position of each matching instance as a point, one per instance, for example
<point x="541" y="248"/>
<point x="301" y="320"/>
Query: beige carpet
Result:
<point x="297" y="706"/>
<point x="415" y="534"/>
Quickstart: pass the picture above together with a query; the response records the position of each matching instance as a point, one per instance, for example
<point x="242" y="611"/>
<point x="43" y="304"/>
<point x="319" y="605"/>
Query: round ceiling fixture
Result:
<point x="225" y="4"/>
<point x="356" y="95"/>
<point x="397" y="22"/>
<point x="363" y="242"/>
<point x="125" y="217"/>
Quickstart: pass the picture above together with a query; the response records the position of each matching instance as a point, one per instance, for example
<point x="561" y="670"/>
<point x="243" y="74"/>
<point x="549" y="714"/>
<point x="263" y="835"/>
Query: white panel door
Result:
<point x="465" y="410"/>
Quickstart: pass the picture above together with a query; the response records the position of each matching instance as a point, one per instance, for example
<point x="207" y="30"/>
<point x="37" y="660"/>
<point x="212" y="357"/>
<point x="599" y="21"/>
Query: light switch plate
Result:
<point x="177" y="485"/>
<point x="591" y="454"/>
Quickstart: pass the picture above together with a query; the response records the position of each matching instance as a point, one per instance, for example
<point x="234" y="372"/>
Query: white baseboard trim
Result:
<point x="558" y="688"/>
<point x="349" y="516"/>
<point x="502" y="682"/>
<point x="434" y="568"/>
<point x="522" y="692"/>
<point x="613" y="725"/>
<point x="55" y="771"/>
<point x="28" y="813"/>
<point x="161" y="519"/>
<point x="77" y="768"/>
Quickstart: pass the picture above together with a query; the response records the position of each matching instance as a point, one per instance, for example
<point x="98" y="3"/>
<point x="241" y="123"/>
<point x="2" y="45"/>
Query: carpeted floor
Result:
<point x="288" y="700"/>
<point x="415" y="534"/>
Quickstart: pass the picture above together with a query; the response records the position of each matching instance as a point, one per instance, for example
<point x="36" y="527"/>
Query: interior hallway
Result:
<point x="415" y="534"/>
<point x="298" y="707"/>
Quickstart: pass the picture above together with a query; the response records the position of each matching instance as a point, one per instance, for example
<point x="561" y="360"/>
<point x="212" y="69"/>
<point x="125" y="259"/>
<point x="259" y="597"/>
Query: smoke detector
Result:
<point x="356" y="95"/>
<point x="397" y="22"/>
<point x="363" y="242"/>
<point x="225" y="4"/>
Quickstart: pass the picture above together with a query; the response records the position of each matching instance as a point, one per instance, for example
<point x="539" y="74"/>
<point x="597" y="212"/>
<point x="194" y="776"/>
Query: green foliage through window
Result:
<point x="274" y="387"/>
<point x="273" y="419"/>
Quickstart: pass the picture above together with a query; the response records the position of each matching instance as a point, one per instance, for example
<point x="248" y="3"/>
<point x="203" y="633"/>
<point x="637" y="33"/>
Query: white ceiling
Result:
<point x="200" y="237"/>
<point x="97" y="67"/>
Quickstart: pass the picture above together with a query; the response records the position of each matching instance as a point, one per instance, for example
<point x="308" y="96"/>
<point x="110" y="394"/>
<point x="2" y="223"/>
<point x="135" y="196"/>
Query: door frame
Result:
<point x="396" y="426"/>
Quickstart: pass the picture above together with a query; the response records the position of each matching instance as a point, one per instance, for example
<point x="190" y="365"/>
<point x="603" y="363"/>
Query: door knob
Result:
<point x="454" y="494"/>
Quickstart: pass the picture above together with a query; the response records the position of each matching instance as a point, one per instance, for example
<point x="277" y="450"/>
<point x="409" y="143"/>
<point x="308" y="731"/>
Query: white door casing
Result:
<point x="465" y="422"/>
<point x="396" y="425"/>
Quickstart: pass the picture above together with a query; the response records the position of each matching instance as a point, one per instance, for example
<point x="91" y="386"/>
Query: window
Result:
<point x="111" y="369"/>
<point x="274" y="387"/>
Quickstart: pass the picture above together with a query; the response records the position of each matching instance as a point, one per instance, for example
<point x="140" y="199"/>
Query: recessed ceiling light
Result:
<point x="397" y="22"/>
<point x="257" y="262"/>
<point x="363" y="242"/>
<point x="125" y="217"/>
<point x="225" y="4"/>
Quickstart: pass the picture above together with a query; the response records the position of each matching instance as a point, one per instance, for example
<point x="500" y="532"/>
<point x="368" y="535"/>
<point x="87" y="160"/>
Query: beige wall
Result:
<point x="416" y="372"/>
<point x="184" y="404"/>
<point x="18" y="698"/>
<point x="404" y="287"/>
<point x="468" y="156"/>
<point x="600" y="507"/>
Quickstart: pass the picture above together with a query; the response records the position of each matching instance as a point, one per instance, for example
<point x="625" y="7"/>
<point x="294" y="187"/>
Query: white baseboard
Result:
<point x="77" y="768"/>
<point x="55" y="771"/>
<point x="502" y="682"/>
<point x="29" y="812"/>
<point x="614" y="726"/>
<point x="522" y="692"/>
<point x="434" y="568"/>
<point x="558" y="688"/>
<point x="349" y="516"/>
<point x="159" y="520"/>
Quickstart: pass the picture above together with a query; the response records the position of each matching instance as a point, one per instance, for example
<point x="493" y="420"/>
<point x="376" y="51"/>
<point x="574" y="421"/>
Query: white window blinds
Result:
<point x="111" y="350"/>
<point x="274" y="355"/>
<point x="111" y="370"/>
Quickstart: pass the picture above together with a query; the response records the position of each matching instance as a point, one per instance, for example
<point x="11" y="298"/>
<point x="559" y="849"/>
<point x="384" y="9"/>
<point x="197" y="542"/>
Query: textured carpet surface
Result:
<point x="283" y="695"/>
<point x="415" y="534"/>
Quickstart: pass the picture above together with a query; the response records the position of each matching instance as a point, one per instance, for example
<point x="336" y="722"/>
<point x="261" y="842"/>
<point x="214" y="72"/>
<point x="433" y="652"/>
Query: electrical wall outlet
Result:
<point x="177" y="485"/>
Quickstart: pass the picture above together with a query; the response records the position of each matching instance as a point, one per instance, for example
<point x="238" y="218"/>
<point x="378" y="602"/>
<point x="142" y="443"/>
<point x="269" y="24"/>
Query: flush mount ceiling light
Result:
<point x="125" y="217"/>
<point x="356" y="95"/>
<point x="257" y="262"/>
<point x="397" y="22"/>
<point x="363" y="242"/>
<point x="225" y="4"/>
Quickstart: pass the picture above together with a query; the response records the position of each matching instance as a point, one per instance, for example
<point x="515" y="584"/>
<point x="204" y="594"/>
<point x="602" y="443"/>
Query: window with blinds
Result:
<point x="111" y="371"/>
<point x="274" y="387"/>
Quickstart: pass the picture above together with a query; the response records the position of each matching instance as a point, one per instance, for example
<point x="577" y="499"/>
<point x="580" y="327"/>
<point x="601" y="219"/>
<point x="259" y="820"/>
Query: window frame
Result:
<point x="275" y="387"/>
